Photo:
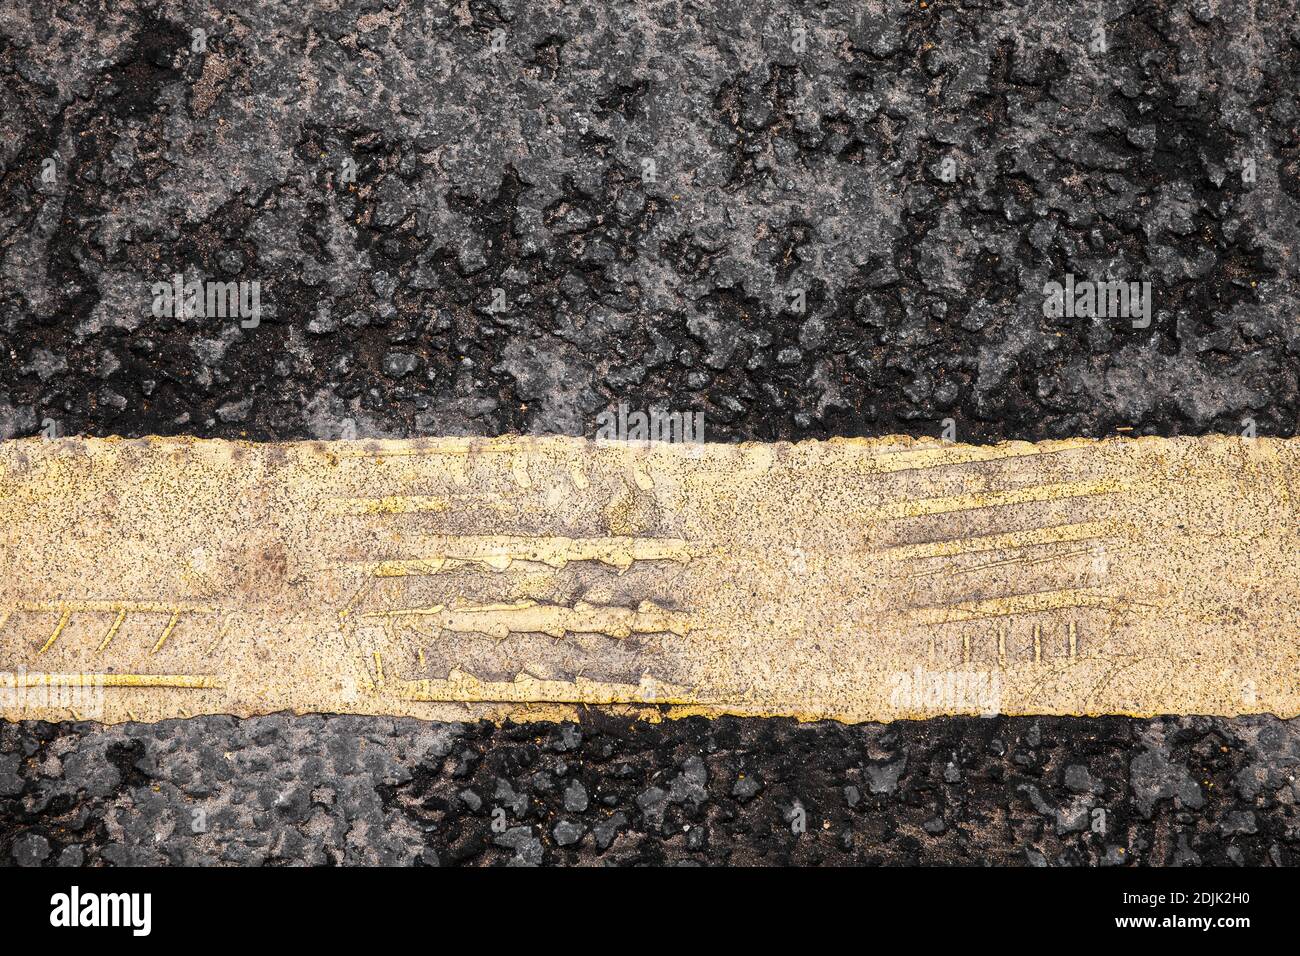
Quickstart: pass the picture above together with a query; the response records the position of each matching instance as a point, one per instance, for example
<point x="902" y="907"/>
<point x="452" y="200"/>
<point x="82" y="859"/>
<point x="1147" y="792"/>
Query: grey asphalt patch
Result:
<point x="628" y="202"/>
<point x="346" y="790"/>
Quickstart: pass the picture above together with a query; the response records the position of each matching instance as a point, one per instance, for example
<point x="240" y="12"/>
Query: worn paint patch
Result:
<point x="526" y="577"/>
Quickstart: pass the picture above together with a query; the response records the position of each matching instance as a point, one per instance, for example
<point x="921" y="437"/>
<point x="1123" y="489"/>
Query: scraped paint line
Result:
<point x="1004" y="541"/>
<point x="1013" y="604"/>
<point x="1063" y="491"/>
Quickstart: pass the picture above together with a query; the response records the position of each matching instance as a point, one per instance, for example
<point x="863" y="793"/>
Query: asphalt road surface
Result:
<point x="800" y="220"/>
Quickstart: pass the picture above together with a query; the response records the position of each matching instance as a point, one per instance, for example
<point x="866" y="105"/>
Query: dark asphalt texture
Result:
<point x="797" y="149"/>
<point x="346" y="790"/>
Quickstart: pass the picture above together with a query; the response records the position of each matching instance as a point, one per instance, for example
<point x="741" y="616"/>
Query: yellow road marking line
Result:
<point x="920" y="507"/>
<point x="117" y="623"/>
<point x="167" y="632"/>
<point x="185" y="681"/>
<point x="63" y="622"/>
